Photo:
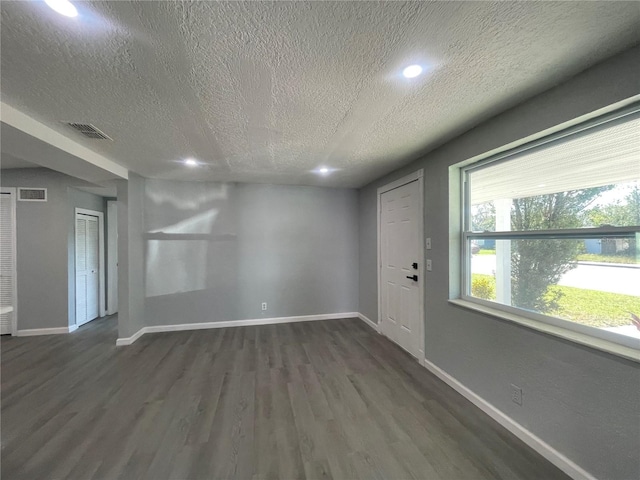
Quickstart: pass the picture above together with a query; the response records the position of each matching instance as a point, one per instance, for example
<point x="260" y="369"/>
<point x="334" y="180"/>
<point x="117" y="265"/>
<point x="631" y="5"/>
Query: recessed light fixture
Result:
<point x="412" y="71"/>
<point x="191" y="162"/>
<point x="324" y="171"/>
<point x="63" y="7"/>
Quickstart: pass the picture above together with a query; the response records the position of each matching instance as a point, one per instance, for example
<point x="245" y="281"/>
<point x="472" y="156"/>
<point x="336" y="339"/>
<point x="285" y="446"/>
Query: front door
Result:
<point x="401" y="274"/>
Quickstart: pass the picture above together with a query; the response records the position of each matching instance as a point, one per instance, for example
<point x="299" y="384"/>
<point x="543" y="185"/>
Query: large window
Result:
<point x="551" y="231"/>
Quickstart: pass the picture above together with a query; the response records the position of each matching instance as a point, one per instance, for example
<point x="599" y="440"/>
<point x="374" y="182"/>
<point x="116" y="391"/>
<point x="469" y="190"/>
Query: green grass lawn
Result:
<point x="588" y="307"/>
<point x="595" y="308"/>
<point x="592" y="257"/>
<point x="486" y="252"/>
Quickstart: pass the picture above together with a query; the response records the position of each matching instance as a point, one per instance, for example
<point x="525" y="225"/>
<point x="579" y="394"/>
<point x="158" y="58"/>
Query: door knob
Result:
<point x="413" y="277"/>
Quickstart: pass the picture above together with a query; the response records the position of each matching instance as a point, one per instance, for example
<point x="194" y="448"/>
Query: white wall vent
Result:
<point x="32" y="194"/>
<point x="89" y="131"/>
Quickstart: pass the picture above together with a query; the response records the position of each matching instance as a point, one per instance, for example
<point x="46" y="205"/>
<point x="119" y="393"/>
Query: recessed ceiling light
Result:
<point x="191" y="162"/>
<point x="324" y="171"/>
<point x="63" y="7"/>
<point x="412" y="71"/>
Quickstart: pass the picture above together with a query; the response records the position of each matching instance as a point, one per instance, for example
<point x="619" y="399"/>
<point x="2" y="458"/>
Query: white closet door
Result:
<point x="7" y="255"/>
<point x="93" y="267"/>
<point x="81" y="269"/>
<point x="87" y="269"/>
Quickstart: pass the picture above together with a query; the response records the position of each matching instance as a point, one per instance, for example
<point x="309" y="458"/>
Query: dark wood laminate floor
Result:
<point x="329" y="399"/>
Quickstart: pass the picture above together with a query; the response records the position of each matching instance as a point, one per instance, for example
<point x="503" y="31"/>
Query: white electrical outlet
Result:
<point x="428" y="243"/>
<point x="264" y="306"/>
<point x="516" y="394"/>
<point x="428" y="265"/>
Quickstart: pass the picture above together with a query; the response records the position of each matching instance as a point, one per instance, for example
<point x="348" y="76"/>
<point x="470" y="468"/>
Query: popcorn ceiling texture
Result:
<point x="266" y="92"/>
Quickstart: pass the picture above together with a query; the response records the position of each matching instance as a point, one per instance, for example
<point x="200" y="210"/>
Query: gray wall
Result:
<point x="215" y="252"/>
<point x="45" y="246"/>
<point x="582" y="402"/>
<point x="130" y="255"/>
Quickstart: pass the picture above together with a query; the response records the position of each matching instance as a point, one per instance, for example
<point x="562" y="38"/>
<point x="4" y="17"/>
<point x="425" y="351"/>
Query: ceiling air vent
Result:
<point x="32" y="194"/>
<point x="89" y="131"/>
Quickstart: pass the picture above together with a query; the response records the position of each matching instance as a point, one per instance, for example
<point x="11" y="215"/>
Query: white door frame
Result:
<point x="419" y="177"/>
<point x="112" y="249"/>
<point x="14" y="268"/>
<point x="101" y="276"/>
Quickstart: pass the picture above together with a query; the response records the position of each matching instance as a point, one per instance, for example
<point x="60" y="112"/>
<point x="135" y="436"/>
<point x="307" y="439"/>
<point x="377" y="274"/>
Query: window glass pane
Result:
<point x="608" y="205"/>
<point x="594" y="282"/>
<point x="586" y="179"/>
<point x="605" y="155"/>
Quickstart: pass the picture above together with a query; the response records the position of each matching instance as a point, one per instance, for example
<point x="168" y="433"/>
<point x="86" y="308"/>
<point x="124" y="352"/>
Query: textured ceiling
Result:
<point x="267" y="92"/>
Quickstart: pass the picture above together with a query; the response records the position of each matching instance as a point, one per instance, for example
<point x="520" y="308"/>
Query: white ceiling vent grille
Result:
<point x="32" y="194"/>
<point x="89" y="131"/>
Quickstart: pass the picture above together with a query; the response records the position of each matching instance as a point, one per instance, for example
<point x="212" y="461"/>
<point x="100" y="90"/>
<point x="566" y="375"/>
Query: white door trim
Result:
<point x="101" y="276"/>
<point x="14" y="267"/>
<point x="418" y="176"/>
<point x="112" y="249"/>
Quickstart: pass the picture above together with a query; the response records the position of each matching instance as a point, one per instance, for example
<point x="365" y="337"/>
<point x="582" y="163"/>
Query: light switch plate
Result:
<point x="428" y="243"/>
<point x="429" y="265"/>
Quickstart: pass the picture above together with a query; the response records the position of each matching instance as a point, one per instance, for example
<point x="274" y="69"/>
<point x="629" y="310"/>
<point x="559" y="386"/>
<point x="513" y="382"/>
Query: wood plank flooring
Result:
<point x="327" y="399"/>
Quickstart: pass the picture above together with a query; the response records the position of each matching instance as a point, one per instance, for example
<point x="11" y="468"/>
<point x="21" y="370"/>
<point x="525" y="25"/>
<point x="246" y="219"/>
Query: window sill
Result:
<point x="577" y="337"/>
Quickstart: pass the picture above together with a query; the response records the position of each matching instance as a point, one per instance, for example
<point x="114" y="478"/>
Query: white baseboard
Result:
<point x="231" y="323"/>
<point x="539" y="445"/>
<point x="129" y="340"/>
<point x="45" y="331"/>
<point x="369" y="322"/>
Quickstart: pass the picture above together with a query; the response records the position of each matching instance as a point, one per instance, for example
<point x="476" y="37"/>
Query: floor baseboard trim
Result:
<point x="539" y="445"/>
<point x="231" y="323"/>
<point x="31" y="332"/>
<point x="369" y="322"/>
<point x="129" y="340"/>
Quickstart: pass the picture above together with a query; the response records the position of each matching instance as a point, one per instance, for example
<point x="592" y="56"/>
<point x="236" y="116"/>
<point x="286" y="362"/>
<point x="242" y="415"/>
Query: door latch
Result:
<point x="413" y="277"/>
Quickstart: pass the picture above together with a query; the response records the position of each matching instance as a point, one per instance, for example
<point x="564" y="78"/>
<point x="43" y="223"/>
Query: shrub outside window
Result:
<point x="551" y="231"/>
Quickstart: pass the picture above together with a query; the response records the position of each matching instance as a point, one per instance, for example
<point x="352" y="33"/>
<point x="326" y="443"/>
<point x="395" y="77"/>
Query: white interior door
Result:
<point x="87" y="269"/>
<point x="7" y="259"/>
<point x="401" y="279"/>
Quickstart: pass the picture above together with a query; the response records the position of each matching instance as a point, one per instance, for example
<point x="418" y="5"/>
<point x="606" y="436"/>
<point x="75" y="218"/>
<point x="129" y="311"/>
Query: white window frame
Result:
<point x="610" y="342"/>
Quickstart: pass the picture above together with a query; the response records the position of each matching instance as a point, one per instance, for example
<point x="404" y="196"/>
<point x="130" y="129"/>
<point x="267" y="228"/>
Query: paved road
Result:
<point x="613" y="278"/>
